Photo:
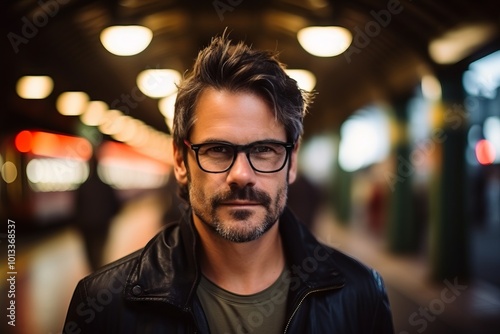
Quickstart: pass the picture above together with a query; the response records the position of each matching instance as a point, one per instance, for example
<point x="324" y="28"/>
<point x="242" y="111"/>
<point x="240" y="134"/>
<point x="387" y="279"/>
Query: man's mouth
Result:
<point x="240" y="203"/>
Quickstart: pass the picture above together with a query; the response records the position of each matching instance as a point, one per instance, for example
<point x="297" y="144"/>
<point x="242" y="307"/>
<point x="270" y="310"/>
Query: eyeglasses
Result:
<point x="264" y="156"/>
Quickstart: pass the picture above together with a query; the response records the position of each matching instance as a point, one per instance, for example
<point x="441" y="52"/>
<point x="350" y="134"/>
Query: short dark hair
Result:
<point x="223" y="65"/>
<point x="237" y="67"/>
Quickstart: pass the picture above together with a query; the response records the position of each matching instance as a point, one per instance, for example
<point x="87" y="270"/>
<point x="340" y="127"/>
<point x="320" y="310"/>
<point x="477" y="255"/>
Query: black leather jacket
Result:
<point x="154" y="290"/>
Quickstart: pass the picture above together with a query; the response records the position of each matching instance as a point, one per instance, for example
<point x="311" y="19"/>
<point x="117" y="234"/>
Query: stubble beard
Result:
<point x="239" y="228"/>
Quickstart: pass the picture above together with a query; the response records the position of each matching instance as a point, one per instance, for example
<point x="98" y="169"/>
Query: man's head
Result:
<point x="237" y="68"/>
<point x="237" y="96"/>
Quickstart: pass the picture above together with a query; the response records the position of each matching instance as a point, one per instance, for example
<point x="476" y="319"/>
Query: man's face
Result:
<point x="240" y="204"/>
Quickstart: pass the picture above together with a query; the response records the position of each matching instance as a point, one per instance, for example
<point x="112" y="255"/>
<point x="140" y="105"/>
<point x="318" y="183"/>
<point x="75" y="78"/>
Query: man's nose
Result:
<point x="241" y="172"/>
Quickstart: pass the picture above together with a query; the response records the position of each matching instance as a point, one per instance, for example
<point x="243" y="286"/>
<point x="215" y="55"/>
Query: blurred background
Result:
<point x="400" y="162"/>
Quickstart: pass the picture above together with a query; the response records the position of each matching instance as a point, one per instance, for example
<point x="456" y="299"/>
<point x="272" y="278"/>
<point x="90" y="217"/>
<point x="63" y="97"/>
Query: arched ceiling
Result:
<point x="60" y="38"/>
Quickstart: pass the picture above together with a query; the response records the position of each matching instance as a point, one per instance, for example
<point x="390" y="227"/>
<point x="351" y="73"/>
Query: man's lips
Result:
<point x="240" y="203"/>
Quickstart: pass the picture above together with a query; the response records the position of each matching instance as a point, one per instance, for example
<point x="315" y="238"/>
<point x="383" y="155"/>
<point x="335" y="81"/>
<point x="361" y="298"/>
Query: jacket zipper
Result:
<point x="194" y="326"/>
<point x="302" y="300"/>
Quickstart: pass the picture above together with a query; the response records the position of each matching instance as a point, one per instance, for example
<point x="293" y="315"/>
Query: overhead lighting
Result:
<point x="112" y="122"/>
<point x="306" y="80"/>
<point x="72" y="103"/>
<point x="158" y="83"/>
<point x="167" y="109"/>
<point x="324" y="41"/>
<point x="130" y="127"/>
<point x="167" y="106"/>
<point x="34" y="86"/>
<point x="460" y="42"/>
<point x="94" y="114"/>
<point x="126" y="40"/>
<point x="431" y="87"/>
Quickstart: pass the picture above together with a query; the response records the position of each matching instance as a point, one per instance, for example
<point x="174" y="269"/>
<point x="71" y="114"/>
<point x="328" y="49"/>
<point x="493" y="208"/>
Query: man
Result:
<point x="238" y="261"/>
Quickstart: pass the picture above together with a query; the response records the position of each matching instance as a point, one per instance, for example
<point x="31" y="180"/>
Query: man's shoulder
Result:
<point x="324" y="258"/>
<point x="118" y="271"/>
<point x="356" y="272"/>
<point x="111" y="276"/>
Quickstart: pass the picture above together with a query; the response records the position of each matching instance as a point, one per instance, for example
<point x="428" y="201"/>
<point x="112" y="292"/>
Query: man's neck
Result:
<point x="242" y="268"/>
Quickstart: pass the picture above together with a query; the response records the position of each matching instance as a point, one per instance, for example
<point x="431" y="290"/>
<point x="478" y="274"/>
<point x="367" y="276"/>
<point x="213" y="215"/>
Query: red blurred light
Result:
<point x="485" y="152"/>
<point x="53" y="145"/>
<point x="24" y="141"/>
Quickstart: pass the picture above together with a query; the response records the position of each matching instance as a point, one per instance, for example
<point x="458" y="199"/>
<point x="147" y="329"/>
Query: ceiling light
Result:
<point x="460" y="42"/>
<point x="159" y="82"/>
<point x="306" y="80"/>
<point x="111" y="122"/>
<point x="324" y="41"/>
<point x="126" y="40"/>
<point x="72" y="103"/>
<point x="431" y="87"/>
<point x="34" y="87"/>
<point x="94" y="114"/>
<point x="131" y="127"/>
<point x="167" y="109"/>
<point x="167" y="106"/>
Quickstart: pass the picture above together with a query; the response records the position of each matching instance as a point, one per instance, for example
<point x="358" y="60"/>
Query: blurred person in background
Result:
<point x="238" y="261"/>
<point x="305" y="199"/>
<point x="96" y="205"/>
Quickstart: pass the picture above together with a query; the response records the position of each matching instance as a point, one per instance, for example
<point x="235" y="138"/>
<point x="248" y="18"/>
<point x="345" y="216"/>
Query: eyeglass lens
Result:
<point x="264" y="157"/>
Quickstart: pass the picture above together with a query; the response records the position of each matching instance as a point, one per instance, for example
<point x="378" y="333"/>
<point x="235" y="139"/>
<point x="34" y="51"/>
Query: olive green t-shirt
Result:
<point x="230" y="313"/>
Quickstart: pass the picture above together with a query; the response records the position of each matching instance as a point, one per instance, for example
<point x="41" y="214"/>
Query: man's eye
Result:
<point x="218" y="149"/>
<point x="268" y="148"/>
<point x="262" y="149"/>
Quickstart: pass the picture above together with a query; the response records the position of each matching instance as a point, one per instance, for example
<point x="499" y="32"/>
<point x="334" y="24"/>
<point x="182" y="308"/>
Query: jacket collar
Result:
<point x="308" y="259"/>
<point x="168" y="271"/>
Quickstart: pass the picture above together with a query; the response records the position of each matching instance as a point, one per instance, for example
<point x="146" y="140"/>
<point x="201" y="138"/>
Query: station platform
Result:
<point x="419" y="304"/>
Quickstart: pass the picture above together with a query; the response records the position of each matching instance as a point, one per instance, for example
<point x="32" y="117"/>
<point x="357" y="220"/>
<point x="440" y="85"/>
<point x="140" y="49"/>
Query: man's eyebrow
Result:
<point x="214" y="140"/>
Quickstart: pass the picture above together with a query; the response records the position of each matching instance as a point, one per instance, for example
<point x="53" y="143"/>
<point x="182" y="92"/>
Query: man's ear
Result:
<point x="292" y="173"/>
<point x="180" y="169"/>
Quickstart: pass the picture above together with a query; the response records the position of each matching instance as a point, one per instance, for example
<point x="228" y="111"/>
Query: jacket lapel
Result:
<point x="310" y="262"/>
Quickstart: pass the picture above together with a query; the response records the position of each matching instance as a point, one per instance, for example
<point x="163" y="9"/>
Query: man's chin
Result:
<point x="240" y="235"/>
<point x="241" y="214"/>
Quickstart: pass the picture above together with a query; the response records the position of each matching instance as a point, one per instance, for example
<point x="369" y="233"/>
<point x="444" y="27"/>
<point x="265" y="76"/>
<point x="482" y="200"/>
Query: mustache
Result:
<point x="246" y="193"/>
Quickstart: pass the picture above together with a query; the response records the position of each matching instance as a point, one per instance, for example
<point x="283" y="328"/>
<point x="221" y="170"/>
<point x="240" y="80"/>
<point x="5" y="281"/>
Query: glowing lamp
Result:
<point x="324" y="41"/>
<point x="126" y="40"/>
<point x="34" y="87"/>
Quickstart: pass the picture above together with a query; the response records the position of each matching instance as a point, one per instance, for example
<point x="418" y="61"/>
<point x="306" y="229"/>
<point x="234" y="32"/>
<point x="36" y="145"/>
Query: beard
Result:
<point x="240" y="225"/>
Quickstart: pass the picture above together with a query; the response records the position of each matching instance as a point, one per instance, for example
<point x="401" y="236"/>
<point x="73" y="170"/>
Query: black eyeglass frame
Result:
<point x="241" y="148"/>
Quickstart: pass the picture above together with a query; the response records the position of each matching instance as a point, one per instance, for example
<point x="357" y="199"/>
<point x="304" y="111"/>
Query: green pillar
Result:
<point x="449" y="223"/>
<point x="402" y="226"/>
